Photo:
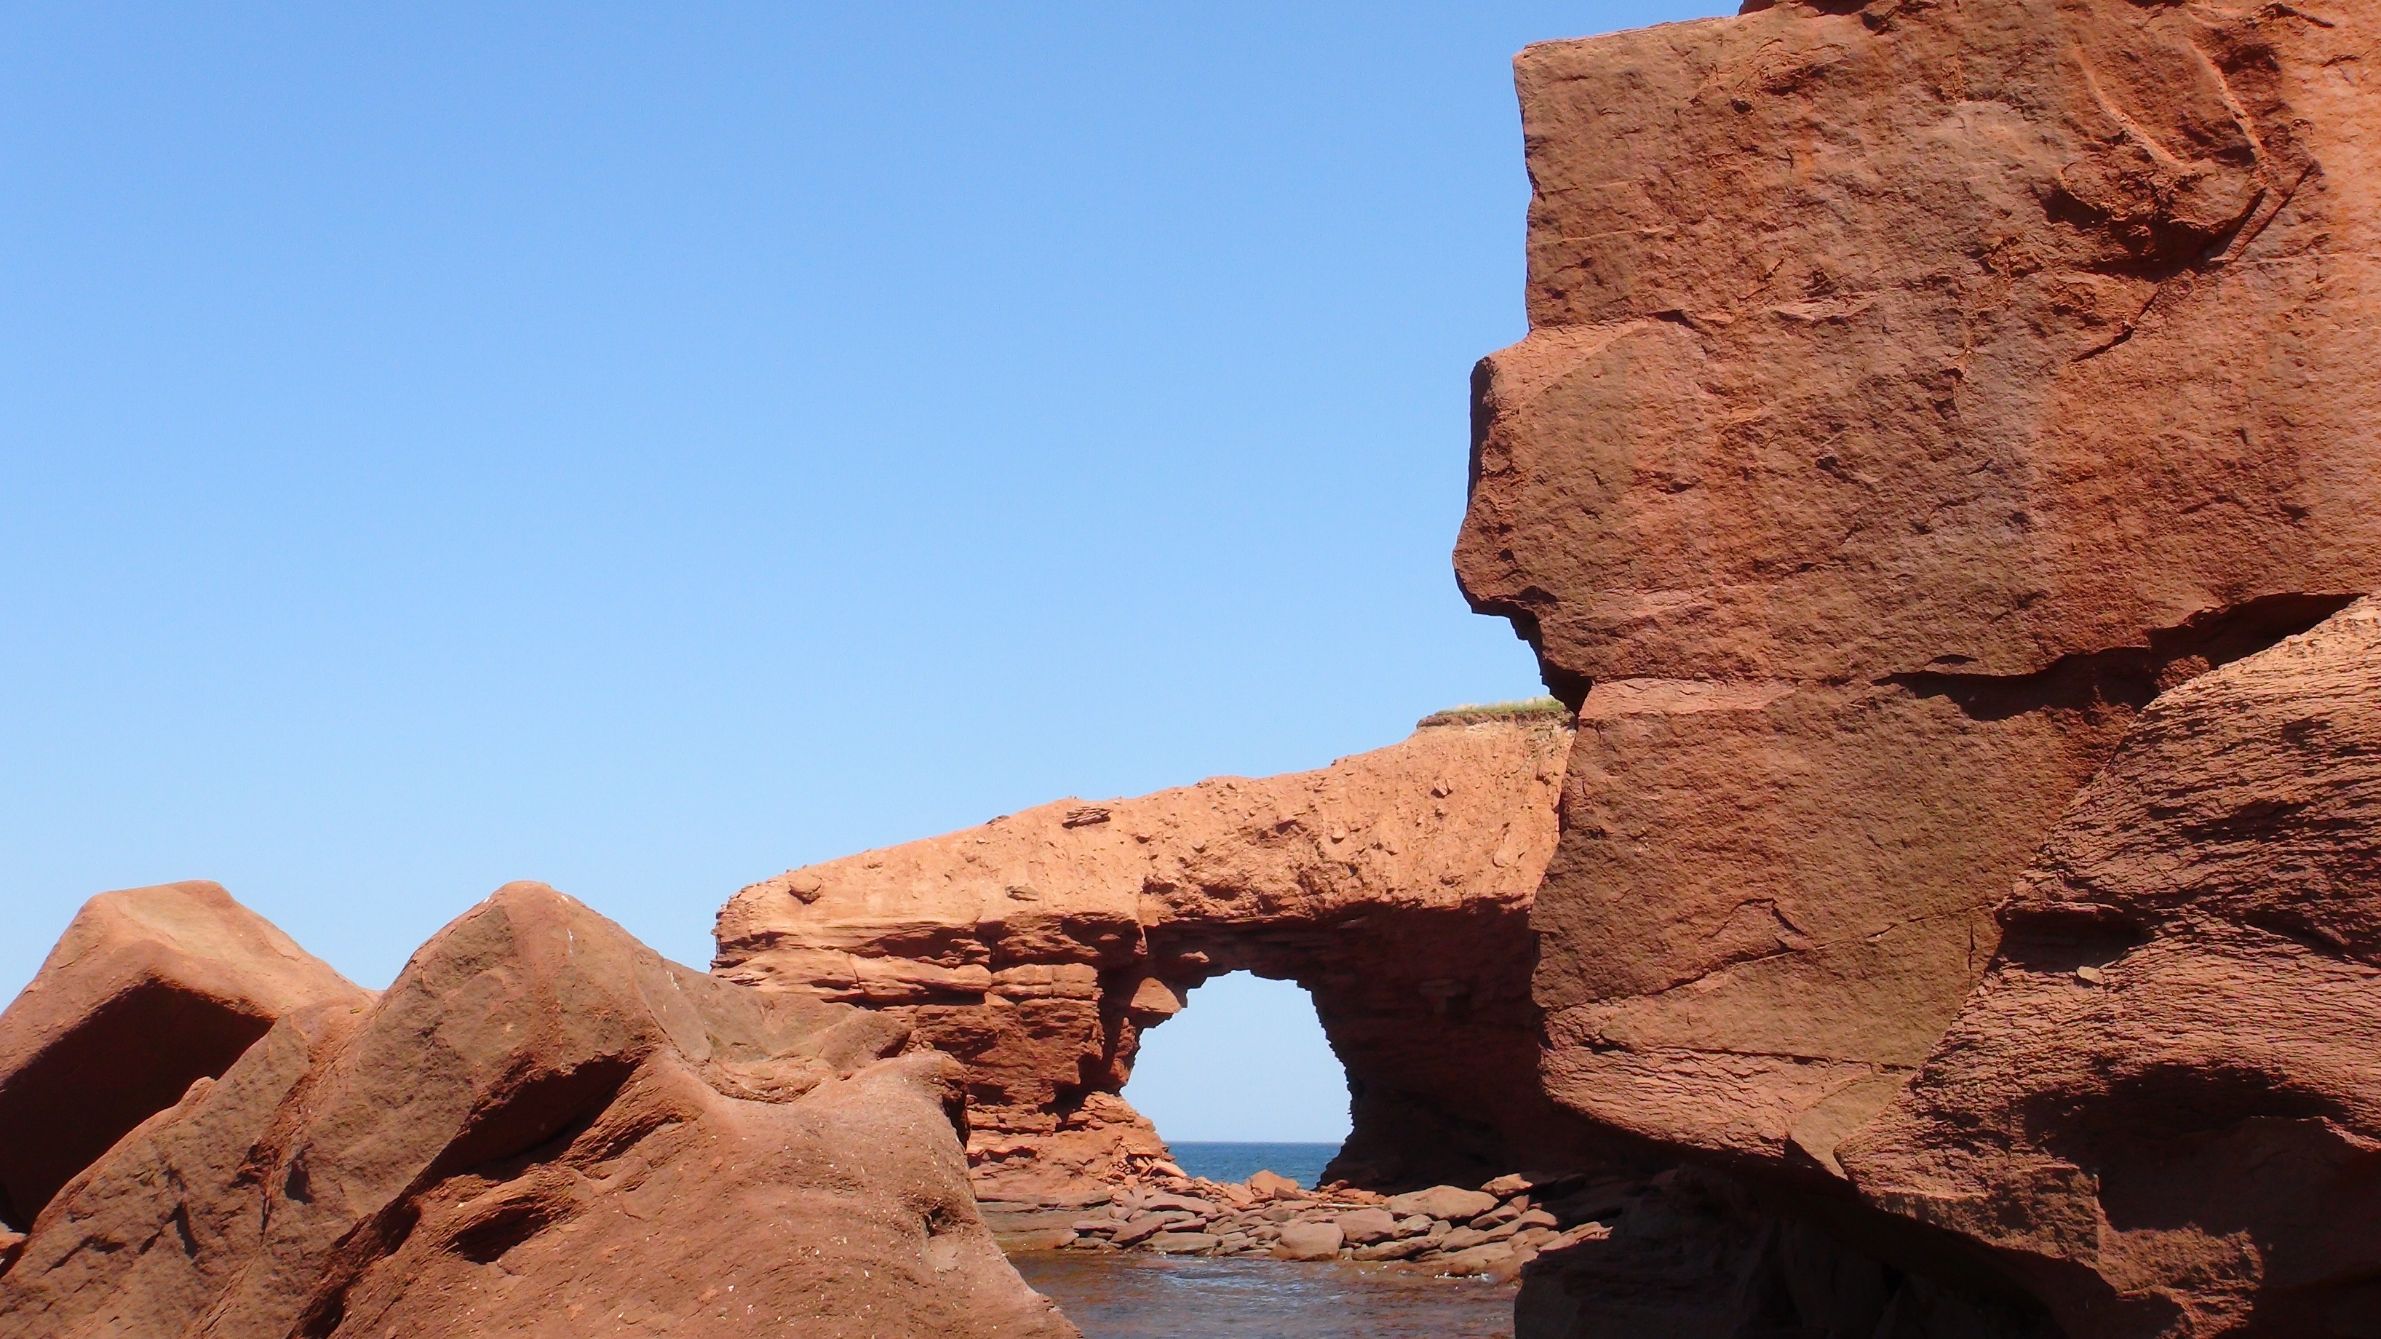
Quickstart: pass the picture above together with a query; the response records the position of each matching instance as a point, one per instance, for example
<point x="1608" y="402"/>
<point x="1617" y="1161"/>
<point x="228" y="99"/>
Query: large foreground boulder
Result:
<point x="541" y="1128"/>
<point x="149" y="990"/>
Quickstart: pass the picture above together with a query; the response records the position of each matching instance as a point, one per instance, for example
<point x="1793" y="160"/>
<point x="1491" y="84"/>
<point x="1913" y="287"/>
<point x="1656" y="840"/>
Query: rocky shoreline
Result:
<point x="1491" y="1232"/>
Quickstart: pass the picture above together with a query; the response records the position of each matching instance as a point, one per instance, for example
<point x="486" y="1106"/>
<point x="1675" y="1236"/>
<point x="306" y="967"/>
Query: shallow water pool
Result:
<point x="1137" y="1296"/>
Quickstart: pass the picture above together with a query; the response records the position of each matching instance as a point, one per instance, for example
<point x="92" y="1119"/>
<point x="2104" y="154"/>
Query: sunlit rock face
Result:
<point x="1394" y="886"/>
<point x="2163" y="1106"/>
<point x="1915" y="393"/>
<point x="540" y="1128"/>
<point x="1912" y="392"/>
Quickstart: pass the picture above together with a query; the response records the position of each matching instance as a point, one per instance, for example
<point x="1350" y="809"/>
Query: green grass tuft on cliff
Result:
<point x="1542" y="709"/>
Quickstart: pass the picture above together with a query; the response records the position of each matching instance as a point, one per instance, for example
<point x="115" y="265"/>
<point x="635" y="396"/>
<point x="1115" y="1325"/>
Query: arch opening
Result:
<point x="1243" y="1079"/>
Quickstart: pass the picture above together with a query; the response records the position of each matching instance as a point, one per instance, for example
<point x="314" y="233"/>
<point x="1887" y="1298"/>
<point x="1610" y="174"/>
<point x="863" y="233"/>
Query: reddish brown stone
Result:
<point x="1912" y="392"/>
<point x="1037" y="948"/>
<point x="1930" y="338"/>
<point x="1915" y="394"/>
<point x="148" y="991"/>
<point x="541" y="1128"/>
<point x="1309" y="1241"/>
<point x="1273" y="1185"/>
<point x="2163" y="1105"/>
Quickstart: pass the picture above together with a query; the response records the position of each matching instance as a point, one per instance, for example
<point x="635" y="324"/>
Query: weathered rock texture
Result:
<point x="540" y="1128"/>
<point x="1916" y="394"/>
<point x="148" y="991"/>
<point x="2164" y="1104"/>
<point x="1393" y="886"/>
<point x="1913" y="391"/>
<point x="1443" y="1230"/>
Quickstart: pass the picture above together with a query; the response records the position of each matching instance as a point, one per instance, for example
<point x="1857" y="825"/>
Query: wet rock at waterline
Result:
<point x="1299" y="1240"/>
<point x="1476" y="1233"/>
<point x="1137" y="1295"/>
<point x="1394" y="886"/>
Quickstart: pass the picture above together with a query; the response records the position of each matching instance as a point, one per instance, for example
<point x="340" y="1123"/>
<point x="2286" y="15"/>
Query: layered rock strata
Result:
<point x="1394" y="886"/>
<point x="541" y="1128"/>
<point x="1924" y="405"/>
<point x="2162" y="1109"/>
<point x="1913" y="392"/>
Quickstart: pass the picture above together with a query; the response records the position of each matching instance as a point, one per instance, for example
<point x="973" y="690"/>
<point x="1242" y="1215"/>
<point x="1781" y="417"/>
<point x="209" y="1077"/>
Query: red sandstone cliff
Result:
<point x="1036" y="948"/>
<point x="1938" y="424"/>
<point x="2163" y="1106"/>
<point x="1916" y="395"/>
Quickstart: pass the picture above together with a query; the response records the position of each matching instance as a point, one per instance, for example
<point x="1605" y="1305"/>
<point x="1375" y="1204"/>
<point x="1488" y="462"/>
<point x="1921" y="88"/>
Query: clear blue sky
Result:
<point x="1245" y="1061"/>
<point x="646" y="447"/>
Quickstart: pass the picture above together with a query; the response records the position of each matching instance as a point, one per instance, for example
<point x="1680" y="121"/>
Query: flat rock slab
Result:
<point x="1451" y="1203"/>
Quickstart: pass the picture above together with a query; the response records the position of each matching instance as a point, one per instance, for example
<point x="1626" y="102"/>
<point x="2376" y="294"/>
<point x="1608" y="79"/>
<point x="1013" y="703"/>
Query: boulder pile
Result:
<point x="1491" y="1231"/>
<point x="541" y="1128"/>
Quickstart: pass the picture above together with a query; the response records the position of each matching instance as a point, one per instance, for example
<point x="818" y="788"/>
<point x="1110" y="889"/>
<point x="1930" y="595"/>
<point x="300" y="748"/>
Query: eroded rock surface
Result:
<point x="1916" y="395"/>
<point x="1913" y="391"/>
<point x="148" y="991"/>
<point x="2164" y="1103"/>
<point x="541" y="1128"/>
<point x="1393" y="885"/>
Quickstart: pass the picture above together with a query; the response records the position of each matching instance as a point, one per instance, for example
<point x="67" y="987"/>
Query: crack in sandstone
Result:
<point x="2128" y="676"/>
<point x="1597" y="1043"/>
<point x="1749" y="958"/>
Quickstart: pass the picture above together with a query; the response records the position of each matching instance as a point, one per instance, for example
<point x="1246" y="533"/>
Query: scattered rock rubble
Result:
<point x="1491" y="1232"/>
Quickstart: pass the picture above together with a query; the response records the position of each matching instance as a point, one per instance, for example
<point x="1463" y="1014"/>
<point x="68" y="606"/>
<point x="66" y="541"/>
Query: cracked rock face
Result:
<point x="541" y="1128"/>
<point x="2163" y="1106"/>
<point x="1913" y="393"/>
<point x="1394" y="886"/>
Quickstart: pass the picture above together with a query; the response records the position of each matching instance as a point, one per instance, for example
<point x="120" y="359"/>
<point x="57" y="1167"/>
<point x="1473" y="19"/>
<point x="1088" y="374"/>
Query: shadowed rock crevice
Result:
<point x="147" y="993"/>
<point x="2125" y="678"/>
<point x="132" y="1057"/>
<point x="1709" y="1255"/>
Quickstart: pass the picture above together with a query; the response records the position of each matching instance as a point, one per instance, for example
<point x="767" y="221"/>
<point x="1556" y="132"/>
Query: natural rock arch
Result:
<point x="1394" y="886"/>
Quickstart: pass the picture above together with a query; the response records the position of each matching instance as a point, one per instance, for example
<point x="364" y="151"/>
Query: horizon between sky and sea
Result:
<point x="1230" y="1160"/>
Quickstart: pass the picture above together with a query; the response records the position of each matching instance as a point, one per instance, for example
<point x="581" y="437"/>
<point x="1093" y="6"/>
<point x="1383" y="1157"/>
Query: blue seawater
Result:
<point x="1302" y="1163"/>
<point x="1128" y="1295"/>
